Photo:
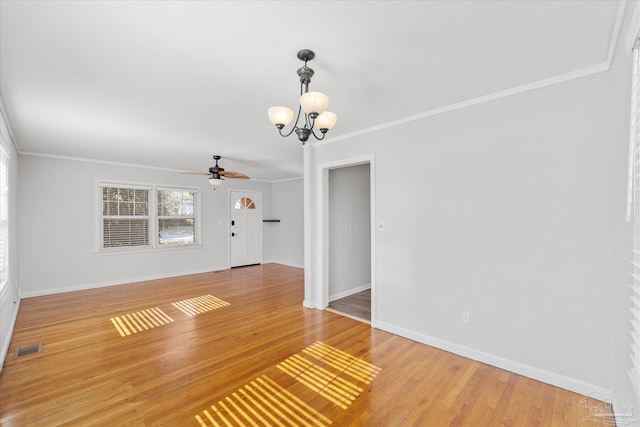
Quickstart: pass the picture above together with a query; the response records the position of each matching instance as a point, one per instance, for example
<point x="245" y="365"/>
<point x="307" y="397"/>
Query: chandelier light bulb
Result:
<point x="314" y="103"/>
<point x="280" y="116"/>
<point x="326" y="121"/>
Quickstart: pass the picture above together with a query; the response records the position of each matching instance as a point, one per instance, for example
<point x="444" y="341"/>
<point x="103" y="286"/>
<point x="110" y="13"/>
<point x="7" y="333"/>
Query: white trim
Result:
<point x="7" y="340"/>
<point x="286" y="263"/>
<point x="277" y="181"/>
<point x="7" y="123"/>
<point x="146" y="249"/>
<point x="561" y="78"/>
<point x="615" y="33"/>
<point x="545" y="376"/>
<point x="128" y="165"/>
<point x="634" y="28"/>
<point x="632" y="134"/>
<point x="349" y="292"/>
<point x="309" y="209"/>
<point x="320" y="285"/>
<point x="105" y="162"/>
<point x="125" y="281"/>
<point x="374" y="233"/>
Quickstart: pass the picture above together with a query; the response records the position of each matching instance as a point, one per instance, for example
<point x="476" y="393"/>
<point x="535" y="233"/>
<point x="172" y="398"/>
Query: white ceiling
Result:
<point x="168" y="84"/>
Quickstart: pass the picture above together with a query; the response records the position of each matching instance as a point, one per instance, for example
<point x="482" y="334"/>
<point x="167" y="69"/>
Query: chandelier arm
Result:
<point x="295" y="124"/>
<point x="316" y="136"/>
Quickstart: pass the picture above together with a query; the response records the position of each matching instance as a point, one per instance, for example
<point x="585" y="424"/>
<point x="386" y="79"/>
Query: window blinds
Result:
<point x="125" y="217"/>
<point x="133" y="216"/>
<point x="633" y="214"/>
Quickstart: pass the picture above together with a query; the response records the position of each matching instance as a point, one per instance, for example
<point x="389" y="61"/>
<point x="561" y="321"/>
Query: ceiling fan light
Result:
<point x="216" y="182"/>
<point x="280" y="116"/>
<point x="314" y="103"/>
<point x="326" y="121"/>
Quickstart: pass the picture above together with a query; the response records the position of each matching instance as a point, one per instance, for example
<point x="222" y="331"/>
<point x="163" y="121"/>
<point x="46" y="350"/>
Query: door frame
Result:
<point x="322" y="245"/>
<point x="230" y="208"/>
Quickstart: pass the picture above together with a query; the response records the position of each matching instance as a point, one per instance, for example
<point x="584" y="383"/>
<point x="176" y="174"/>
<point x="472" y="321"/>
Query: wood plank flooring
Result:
<point x="357" y="305"/>
<point x="255" y="358"/>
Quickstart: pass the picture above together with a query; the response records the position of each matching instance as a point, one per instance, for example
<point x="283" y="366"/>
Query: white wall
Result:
<point x="287" y="235"/>
<point x="349" y="231"/>
<point x="9" y="300"/>
<point x="503" y="209"/>
<point x="58" y="220"/>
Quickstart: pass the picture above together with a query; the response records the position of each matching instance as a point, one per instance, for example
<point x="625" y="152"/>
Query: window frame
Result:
<point x="5" y="194"/>
<point x="152" y="215"/>
<point x="633" y="216"/>
<point x="194" y="216"/>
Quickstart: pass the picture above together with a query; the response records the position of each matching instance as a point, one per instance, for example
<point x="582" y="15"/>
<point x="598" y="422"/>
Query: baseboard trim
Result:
<point x="349" y="292"/>
<point x="31" y="294"/>
<point x="288" y="264"/>
<point x="552" y="378"/>
<point x="7" y="341"/>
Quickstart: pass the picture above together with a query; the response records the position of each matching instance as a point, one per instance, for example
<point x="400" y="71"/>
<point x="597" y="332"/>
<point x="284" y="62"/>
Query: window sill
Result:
<point x="147" y="250"/>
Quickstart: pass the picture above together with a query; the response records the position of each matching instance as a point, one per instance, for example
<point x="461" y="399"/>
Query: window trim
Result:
<point x="153" y="216"/>
<point x="633" y="216"/>
<point x="4" y="283"/>
<point x="194" y="216"/>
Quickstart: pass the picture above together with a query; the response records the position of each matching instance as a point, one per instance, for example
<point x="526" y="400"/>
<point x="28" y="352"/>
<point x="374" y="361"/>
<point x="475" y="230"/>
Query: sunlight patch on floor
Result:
<point x="199" y="305"/>
<point x="262" y="402"/>
<point x="319" y="367"/>
<point x="139" y="321"/>
<point x="343" y="362"/>
<point x="324" y="372"/>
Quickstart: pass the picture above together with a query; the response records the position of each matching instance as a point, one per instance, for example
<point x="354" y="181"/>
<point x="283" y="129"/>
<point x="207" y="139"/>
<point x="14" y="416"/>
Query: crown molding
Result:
<point x="539" y="84"/>
<point x="7" y="123"/>
<point x="104" y="162"/>
<point x="277" y="181"/>
<point x="130" y="165"/>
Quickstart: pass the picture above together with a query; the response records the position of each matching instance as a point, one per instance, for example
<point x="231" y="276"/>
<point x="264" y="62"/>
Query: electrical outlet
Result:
<point x="464" y="317"/>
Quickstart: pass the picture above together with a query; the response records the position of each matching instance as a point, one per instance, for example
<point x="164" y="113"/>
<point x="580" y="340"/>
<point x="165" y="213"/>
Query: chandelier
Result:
<point x="314" y="105"/>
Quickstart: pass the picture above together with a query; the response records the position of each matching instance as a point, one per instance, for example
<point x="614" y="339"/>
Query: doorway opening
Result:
<point x="348" y="239"/>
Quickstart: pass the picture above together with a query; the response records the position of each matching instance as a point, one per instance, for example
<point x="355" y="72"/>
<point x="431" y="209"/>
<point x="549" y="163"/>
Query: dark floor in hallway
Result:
<point x="357" y="305"/>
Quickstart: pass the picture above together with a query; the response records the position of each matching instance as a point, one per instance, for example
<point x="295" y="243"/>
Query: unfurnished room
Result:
<point x="328" y="213"/>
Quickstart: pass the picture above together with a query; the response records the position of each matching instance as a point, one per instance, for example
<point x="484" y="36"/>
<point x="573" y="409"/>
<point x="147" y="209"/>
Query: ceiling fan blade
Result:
<point x="195" y="173"/>
<point x="235" y="175"/>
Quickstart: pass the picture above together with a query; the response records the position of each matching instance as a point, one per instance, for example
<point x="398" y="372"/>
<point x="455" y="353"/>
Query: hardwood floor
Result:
<point x="189" y="359"/>
<point x="357" y="305"/>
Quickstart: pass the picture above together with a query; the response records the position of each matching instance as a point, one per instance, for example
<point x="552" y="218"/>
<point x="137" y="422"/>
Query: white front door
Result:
<point x="246" y="228"/>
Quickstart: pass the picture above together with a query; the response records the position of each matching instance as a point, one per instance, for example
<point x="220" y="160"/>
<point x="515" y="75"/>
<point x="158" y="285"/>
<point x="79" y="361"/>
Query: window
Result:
<point x="245" y="203"/>
<point x="147" y="217"/>
<point x="176" y="220"/>
<point x="4" y="218"/>
<point x="633" y="214"/>
<point x="125" y="217"/>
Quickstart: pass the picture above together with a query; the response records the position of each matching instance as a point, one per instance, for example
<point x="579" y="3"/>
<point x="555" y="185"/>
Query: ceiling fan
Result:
<point x="216" y="173"/>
